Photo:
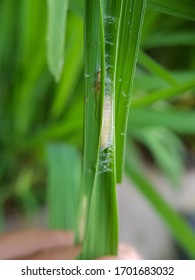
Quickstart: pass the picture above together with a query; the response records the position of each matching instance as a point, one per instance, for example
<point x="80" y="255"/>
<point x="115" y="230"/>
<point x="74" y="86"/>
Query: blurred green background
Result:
<point x="41" y="121"/>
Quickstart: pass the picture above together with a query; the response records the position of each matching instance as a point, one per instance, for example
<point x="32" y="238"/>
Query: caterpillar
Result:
<point x="107" y="123"/>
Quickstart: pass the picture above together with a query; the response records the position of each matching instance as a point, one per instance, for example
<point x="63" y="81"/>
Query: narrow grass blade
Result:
<point x="73" y="64"/>
<point x="63" y="183"/>
<point x="25" y="95"/>
<point x="177" y="226"/>
<point x="180" y="8"/>
<point x="146" y="83"/>
<point x="31" y="33"/>
<point x="57" y="12"/>
<point x="177" y="120"/>
<point x="155" y="68"/>
<point x="130" y="30"/>
<point x="52" y="132"/>
<point x="164" y="94"/>
<point x="169" y="39"/>
<point x="91" y="115"/>
<point x="167" y="151"/>
<point x="30" y="45"/>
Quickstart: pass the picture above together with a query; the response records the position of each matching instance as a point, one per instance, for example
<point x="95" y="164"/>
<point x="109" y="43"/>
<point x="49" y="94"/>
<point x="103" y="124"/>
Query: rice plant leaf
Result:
<point x="102" y="233"/>
<point x="164" y="94"/>
<point x="91" y="115"/>
<point x="148" y="82"/>
<point x="151" y="83"/>
<point x="57" y="13"/>
<point x="51" y="133"/>
<point x="29" y="39"/>
<point x="167" y="151"/>
<point x="130" y="30"/>
<point x="167" y="39"/>
<point x="177" y="226"/>
<point x="155" y="68"/>
<point x="73" y="64"/>
<point x="98" y="200"/>
<point x="177" y="120"/>
<point x="180" y="8"/>
<point x="31" y="44"/>
<point x="63" y="182"/>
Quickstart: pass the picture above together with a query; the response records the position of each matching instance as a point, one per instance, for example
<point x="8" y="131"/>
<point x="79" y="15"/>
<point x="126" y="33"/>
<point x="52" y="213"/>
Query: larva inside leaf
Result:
<point x="107" y="124"/>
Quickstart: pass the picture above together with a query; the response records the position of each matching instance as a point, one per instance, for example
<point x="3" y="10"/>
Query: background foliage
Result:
<point x="35" y="110"/>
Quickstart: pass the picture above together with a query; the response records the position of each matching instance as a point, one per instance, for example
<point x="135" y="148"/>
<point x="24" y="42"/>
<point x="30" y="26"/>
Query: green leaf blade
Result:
<point x="164" y="94"/>
<point x="180" y="8"/>
<point x="63" y="182"/>
<point x="57" y="13"/>
<point x="129" y="41"/>
<point x="179" y="121"/>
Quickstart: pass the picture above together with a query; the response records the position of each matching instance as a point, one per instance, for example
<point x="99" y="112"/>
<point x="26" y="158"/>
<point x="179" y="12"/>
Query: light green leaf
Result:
<point x="166" y="148"/>
<point x="155" y="68"/>
<point x="177" y="120"/>
<point x="167" y="39"/>
<point x="73" y="64"/>
<point x="31" y="45"/>
<point x="164" y="94"/>
<point x="57" y="13"/>
<point x="92" y="115"/>
<point x="180" y="8"/>
<point x="130" y="29"/>
<point x="63" y="183"/>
